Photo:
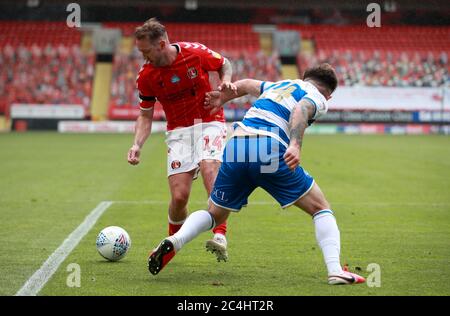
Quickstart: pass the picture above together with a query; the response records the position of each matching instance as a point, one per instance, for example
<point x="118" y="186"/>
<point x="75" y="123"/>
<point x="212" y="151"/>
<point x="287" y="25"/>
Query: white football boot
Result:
<point x="218" y="246"/>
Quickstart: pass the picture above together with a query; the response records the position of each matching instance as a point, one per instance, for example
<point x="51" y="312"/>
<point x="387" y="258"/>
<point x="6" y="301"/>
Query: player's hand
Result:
<point x="226" y="85"/>
<point x="213" y="102"/>
<point x="292" y="157"/>
<point x="133" y="154"/>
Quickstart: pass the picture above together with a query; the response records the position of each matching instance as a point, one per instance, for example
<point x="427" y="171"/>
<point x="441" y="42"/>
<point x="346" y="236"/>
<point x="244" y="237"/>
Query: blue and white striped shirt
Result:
<point x="271" y="112"/>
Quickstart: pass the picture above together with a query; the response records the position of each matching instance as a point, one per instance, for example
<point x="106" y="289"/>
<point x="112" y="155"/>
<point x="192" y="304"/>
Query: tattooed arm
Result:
<point x="298" y="122"/>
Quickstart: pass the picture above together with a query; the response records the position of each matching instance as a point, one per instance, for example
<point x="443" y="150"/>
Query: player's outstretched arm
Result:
<point x="243" y="87"/>
<point x="248" y="86"/>
<point x="143" y="129"/>
<point x="298" y="122"/>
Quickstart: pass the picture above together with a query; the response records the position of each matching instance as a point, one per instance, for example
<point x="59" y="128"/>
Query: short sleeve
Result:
<point x="265" y="85"/>
<point x="146" y="96"/>
<point x="211" y="60"/>
<point x="316" y="98"/>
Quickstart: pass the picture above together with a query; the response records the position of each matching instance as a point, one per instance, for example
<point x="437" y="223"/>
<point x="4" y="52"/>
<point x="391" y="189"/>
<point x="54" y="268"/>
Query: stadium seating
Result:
<point x="42" y="64"/>
<point x="37" y="33"/>
<point x="65" y="74"/>
<point x="384" y="68"/>
<point x="45" y="75"/>
<point x="216" y="36"/>
<point x="392" y="38"/>
<point x="386" y="56"/>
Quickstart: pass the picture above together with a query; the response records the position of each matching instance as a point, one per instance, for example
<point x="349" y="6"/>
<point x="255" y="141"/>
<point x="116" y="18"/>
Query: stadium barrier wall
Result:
<point x="374" y="129"/>
<point x="105" y="127"/>
<point x="43" y="116"/>
<point x="392" y="116"/>
<point x="390" y="98"/>
<point x="352" y="105"/>
<point x="128" y="127"/>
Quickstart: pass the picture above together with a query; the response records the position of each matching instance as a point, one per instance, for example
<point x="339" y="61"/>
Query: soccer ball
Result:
<point x="113" y="243"/>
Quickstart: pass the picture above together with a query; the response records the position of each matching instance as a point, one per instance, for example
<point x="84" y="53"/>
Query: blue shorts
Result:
<point x="257" y="161"/>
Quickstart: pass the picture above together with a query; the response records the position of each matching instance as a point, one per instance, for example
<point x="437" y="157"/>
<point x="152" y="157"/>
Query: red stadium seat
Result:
<point x="355" y="49"/>
<point x="215" y="36"/>
<point x="49" y="54"/>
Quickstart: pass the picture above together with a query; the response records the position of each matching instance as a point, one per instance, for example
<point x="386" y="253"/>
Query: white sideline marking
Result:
<point x="37" y="281"/>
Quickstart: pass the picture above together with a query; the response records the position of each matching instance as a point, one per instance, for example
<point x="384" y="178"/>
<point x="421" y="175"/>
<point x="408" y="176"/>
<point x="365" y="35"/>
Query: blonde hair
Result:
<point x="152" y="30"/>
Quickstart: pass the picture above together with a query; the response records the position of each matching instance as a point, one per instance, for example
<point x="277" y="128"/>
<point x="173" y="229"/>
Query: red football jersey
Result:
<point x="181" y="86"/>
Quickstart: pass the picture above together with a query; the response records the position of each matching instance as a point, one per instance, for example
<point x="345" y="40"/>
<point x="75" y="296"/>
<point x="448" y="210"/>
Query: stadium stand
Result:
<point x="42" y="64"/>
<point x="387" y="56"/>
<point x="384" y="68"/>
<point x="39" y="33"/>
<point x="217" y="36"/>
<point x="390" y="56"/>
<point x="399" y="38"/>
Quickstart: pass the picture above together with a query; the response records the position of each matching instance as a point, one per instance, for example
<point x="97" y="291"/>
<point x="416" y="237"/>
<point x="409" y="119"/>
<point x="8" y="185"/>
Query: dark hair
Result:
<point x="324" y="74"/>
<point x="151" y="29"/>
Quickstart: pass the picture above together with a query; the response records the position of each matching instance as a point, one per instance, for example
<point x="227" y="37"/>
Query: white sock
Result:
<point x="328" y="238"/>
<point x="196" y="223"/>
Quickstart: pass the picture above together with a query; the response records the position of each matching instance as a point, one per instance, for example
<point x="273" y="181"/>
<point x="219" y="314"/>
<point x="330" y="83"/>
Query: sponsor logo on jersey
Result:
<point x="175" y="164"/>
<point x="216" y="55"/>
<point x="175" y="79"/>
<point x="192" y="73"/>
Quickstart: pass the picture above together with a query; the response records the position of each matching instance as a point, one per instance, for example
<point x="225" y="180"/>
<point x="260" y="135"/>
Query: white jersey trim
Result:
<point x="262" y="132"/>
<point x="306" y="192"/>
<point x="227" y="208"/>
<point x="269" y="117"/>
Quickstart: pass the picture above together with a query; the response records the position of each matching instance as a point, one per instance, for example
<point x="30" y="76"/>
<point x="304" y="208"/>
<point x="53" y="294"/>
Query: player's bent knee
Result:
<point x="180" y="199"/>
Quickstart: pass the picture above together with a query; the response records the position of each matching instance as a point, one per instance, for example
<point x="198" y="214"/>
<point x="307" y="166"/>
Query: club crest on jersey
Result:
<point x="175" y="164"/>
<point x="175" y="79"/>
<point x="192" y="73"/>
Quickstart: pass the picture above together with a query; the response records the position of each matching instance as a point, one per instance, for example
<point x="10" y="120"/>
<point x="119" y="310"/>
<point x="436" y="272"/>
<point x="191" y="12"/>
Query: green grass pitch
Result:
<point x="390" y="194"/>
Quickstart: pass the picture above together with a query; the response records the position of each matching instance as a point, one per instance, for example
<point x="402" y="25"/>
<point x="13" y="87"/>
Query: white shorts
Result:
<point x="187" y="146"/>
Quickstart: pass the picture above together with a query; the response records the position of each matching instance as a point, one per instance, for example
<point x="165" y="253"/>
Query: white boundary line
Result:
<point x="37" y="281"/>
